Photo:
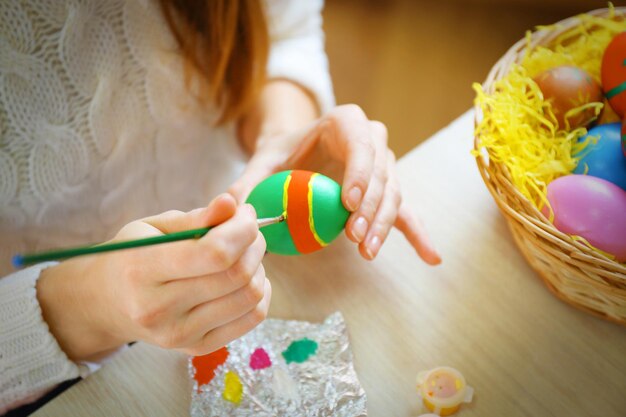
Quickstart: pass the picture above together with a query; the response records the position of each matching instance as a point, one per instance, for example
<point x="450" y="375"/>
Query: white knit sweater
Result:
<point x="97" y="129"/>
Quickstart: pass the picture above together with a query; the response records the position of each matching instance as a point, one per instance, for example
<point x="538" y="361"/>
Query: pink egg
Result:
<point x="592" y="208"/>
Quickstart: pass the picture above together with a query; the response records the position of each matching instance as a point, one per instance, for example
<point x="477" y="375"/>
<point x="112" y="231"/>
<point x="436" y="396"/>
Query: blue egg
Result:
<point x="604" y="159"/>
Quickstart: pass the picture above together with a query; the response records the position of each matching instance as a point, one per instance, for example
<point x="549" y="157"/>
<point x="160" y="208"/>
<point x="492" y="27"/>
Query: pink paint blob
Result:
<point x="260" y="359"/>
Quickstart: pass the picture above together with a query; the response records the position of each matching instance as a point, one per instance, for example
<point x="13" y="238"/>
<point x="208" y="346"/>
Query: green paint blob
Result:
<point x="329" y="214"/>
<point x="300" y="350"/>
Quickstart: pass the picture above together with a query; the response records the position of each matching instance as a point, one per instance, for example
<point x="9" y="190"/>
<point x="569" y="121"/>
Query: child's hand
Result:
<point x="194" y="295"/>
<point x="370" y="187"/>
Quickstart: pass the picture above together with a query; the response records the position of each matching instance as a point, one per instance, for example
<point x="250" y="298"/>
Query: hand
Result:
<point x="370" y="187"/>
<point x="194" y="295"/>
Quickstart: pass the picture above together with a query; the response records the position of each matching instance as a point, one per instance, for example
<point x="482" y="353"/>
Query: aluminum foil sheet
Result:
<point x="323" y="384"/>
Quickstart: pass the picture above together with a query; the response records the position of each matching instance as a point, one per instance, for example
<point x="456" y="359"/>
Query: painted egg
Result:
<point x="567" y="88"/>
<point x="604" y="159"/>
<point x="614" y="73"/>
<point x="624" y="138"/>
<point x="312" y="205"/>
<point x="592" y="208"/>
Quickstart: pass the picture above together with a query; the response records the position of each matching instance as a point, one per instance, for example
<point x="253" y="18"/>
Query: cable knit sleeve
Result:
<point x="31" y="361"/>
<point x="297" y="47"/>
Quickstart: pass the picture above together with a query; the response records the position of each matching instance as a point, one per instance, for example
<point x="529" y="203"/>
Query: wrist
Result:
<point x="282" y="108"/>
<point x="72" y="307"/>
<point x="289" y="107"/>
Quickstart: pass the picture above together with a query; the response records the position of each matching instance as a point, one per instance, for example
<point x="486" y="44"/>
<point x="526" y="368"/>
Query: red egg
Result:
<point x="614" y="73"/>
<point x="566" y="88"/>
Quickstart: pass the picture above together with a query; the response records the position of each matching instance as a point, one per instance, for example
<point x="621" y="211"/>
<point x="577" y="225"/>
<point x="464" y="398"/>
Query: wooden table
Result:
<point x="483" y="311"/>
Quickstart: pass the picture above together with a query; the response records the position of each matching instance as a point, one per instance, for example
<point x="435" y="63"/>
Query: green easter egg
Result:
<point x="312" y="204"/>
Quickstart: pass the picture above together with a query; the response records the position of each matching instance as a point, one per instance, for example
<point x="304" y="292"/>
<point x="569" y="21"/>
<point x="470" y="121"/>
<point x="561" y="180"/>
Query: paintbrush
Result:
<point x="55" y="255"/>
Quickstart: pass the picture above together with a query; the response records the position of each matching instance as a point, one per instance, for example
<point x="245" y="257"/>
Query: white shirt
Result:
<point x="97" y="128"/>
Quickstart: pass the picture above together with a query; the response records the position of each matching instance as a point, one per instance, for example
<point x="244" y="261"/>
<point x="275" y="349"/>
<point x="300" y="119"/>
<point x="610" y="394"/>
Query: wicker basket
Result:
<point x="574" y="272"/>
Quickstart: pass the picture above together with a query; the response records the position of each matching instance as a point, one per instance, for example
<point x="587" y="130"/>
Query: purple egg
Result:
<point x="592" y="208"/>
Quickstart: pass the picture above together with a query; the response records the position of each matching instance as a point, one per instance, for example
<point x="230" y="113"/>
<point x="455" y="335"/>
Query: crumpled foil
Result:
<point x="324" y="385"/>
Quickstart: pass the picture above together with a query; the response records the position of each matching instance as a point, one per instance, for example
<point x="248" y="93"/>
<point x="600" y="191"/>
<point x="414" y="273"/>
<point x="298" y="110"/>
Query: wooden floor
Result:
<point x="411" y="63"/>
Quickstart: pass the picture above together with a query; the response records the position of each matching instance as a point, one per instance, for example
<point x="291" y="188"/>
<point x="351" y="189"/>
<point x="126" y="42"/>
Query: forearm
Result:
<point x="74" y="315"/>
<point x="282" y="107"/>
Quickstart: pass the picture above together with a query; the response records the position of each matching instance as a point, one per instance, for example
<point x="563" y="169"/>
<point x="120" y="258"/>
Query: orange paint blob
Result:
<point x="206" y="365"/>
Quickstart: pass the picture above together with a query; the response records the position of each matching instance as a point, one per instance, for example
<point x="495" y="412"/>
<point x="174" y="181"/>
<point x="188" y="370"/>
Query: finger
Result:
<point x="209" y="316"/>
<point x="185" y="294"/>
<point x="221" y="336"/>
<point x="385" y="216"/>
<point x="345" y="133"/>
<point x="216" y="251"/>
<point x="219" y="210"/>
<point x="415" y="233"/>
<point x="274" y="152"/>
<point x="361" y="220"/>
<point x="134" y="230"/>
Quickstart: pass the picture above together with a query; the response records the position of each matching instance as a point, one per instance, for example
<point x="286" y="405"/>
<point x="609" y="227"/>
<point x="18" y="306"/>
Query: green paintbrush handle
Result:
<point x="22" y="260"/>
<point x="55" y="255"/>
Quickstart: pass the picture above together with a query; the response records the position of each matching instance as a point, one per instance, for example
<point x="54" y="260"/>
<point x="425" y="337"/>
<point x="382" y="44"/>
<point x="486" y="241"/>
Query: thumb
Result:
<point x="220" y="209"/>
<point x="259" y="168"/>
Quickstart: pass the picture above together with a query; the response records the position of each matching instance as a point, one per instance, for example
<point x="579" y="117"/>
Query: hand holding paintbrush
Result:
<point x="60" y="254"/>
<point x="193" y="295"/>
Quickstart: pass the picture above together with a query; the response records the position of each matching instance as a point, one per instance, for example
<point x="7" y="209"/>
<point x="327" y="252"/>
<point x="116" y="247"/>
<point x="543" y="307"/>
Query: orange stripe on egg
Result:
<point x="311" y="219"/>
<point x="299" y="211"/>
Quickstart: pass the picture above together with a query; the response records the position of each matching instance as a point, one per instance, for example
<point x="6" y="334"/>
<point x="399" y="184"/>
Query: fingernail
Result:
<point x="359" y="229"/>
<point x="372" y="247"/>
<point x="354" y="198"/>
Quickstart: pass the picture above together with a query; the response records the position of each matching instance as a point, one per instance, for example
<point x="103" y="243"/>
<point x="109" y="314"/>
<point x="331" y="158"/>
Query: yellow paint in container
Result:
<point x="443" y="390"/>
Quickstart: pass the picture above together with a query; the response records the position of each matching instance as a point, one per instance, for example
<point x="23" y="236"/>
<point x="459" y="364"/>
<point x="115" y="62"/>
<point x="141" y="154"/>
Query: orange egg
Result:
<point x="567" y="88"/>
<point x="614" y="73"/>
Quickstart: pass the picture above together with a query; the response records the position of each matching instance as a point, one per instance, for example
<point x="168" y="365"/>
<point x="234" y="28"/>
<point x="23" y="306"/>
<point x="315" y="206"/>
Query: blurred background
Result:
<point x="411" y="63"/>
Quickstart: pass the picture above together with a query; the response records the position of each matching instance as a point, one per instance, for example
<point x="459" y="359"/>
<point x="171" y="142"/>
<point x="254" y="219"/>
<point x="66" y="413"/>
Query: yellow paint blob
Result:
<point x="286" y="194"/>
<point x="233" y="389"/>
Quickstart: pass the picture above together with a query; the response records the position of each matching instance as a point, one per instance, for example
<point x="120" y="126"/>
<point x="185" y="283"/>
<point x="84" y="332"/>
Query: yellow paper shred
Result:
<point x="581" y="46"/>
